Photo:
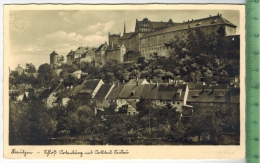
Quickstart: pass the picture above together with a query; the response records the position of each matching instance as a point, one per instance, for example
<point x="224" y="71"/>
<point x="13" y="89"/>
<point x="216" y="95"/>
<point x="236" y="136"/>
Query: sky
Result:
<point x="35" y="34"/>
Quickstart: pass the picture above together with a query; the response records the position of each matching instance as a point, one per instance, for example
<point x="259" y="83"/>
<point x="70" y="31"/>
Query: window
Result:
<point x="173" y="102"/>
<point x="178" y="102"/>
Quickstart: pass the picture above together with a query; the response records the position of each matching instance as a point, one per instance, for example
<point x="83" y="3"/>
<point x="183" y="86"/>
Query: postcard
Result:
<point x="150" y="81"/>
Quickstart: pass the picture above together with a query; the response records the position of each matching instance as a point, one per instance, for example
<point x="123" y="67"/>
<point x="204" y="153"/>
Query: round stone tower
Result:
<point x="53" y="59"/>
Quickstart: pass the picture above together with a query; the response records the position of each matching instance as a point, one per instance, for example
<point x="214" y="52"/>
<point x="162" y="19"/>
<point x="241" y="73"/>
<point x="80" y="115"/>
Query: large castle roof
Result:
<point x="209" y="21"/>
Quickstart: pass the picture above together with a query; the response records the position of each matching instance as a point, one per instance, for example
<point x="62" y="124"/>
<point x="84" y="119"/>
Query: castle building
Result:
<point x="155" y="41"/>
<point x="81" y="54"/>
<point x="100" y="55"/>
<point x="115" y="52"/>
<point x="148" y="38"/>
<point x="113" y="38"/>
<point x="111" y="51"/>
<point x="141" y="28"/>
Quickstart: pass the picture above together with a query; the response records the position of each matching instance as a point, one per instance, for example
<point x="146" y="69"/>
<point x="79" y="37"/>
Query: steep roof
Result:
<point x="88" y="53"/>
<point x="113" y="95"/>
<point x="158" y="24"/>
<point x="67" y="92"/>
<point x="54" y="53"/>
<point x="100" y="47"/>
<point x="149" y="91"/>
<point x="170" y="92"/>
<point x="89" y="85"/>
<point x="152" y="23"/>
<point x="71" y="53"/>
<point x="126" y="35"/>
<point x="46" y="93"/>
<point x="131" y="92"/>
<point x="208" y="97"/>
<point x="103" y="91"/>
<point x="209" y="21"/>
<point x="77" y="89"/>
<point x="81" y="50"/>
<point x="140" y="81"/>
<point x="192" y="85"/>
<point x="133" y="104"/>
<point x="115" y="47"/>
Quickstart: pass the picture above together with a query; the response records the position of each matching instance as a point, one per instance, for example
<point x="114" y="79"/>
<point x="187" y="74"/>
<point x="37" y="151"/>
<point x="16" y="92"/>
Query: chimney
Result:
<point x="169" y="80"/>
<point x="71" y="86"/>
<point x="112" y="44"/>
<point x="209" y="15"/>
<point x="123" y="80"/>
<point x="178" y="93"/>
<point x="191" y="19"/>
<point x="157" y="84"/>
<point x="68" y="87"/>
<point x="137" y="83"/>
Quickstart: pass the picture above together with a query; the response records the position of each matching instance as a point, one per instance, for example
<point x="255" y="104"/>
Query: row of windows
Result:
<point x="207" y="104"/>
<point x="157" y="49"/>
<point x="161" y="42"/>
<point x="145" y="25"/>
<point x="184" y="32"/>
<point x="165" y="102"/>
<point x="145" y="30"/>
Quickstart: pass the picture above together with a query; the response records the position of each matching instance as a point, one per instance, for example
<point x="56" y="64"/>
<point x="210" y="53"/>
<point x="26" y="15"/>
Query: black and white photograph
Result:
<point x="124" y="77"/>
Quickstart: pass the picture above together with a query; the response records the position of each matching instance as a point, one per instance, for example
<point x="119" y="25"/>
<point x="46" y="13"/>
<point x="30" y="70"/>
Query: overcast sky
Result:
<point x="35" y="34"/>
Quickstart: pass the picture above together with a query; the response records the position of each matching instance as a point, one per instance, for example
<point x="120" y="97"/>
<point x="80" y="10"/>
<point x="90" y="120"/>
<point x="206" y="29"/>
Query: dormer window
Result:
<point x="198" y="24"/>
<point x="214" y="21"/>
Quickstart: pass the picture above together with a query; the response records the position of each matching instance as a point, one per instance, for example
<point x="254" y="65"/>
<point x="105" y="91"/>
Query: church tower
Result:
<point x="124" y="27"/>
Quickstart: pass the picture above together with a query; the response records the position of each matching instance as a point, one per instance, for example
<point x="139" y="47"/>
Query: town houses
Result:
<point x="180" y="95"/>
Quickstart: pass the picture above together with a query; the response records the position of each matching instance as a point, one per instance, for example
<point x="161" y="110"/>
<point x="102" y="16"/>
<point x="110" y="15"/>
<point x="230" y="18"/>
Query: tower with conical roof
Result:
<point x="53" y="59"/>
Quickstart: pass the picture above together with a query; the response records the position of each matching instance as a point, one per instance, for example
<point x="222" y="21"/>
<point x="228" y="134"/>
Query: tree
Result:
<point x="47" y="77"/>
<point x="30" y="68"/>
<point x="201" y="116"/>
<point x="76" y="117"/>
<point x="30" y="124"/>
<point x="60" y="59"/>
<point x="69" y="80"/>
<point x="121" y="128"/>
